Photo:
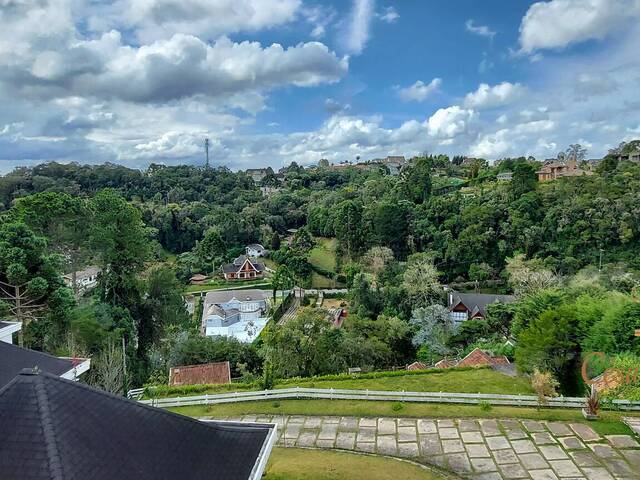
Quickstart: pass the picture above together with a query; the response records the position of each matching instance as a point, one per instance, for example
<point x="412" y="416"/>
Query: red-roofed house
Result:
<point x="207" y="374"/>
<point x="478" y="358"/>
<point x="417" y="366"/>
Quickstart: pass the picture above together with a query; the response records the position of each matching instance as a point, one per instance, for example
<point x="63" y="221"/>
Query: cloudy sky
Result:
<point x="273" y="81"/>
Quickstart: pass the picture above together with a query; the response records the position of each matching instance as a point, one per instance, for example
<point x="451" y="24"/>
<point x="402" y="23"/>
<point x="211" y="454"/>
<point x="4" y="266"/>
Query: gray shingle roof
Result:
<point x="14" y="358"/>
<point x="56" y="429"/>
<point x="478" y="302"/>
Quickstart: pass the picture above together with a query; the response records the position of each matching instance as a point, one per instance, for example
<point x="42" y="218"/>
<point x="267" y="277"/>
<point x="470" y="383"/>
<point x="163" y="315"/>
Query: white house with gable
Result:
<point x="241" y="314"/>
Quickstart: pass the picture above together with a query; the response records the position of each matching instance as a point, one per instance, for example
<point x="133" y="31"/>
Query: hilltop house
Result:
<point x="257" y="174"/>
<point x="7" y="329"/>
<point x="395" y="163"/>
<point x="553" y="169"/>
<point x="633" y="156"/>
<point x="57" y="429"/>
<point x="475" y="358"/>
<point x="83" y="280"/>
<point x="506" y="176"/>
<point x="207" y="374"/>
<point x="14" y="358"/>
<point x="241" y="314"/>
<point x="255" y="250"/>
<point x="242" y="268"/>
<point x="467" y="306"/>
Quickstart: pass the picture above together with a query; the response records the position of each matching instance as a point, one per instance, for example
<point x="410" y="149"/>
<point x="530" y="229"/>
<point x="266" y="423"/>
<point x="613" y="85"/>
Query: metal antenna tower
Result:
<point x="206" y="149"/>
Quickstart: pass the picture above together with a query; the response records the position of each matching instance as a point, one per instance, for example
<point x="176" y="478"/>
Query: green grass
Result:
<point x="609" y="423"/>
<point x="222" y="285"/>
<point x="320" y="281"/>
<point x="305" y="464"/>
<point x="473" y="380"/>
<point x="323" y="255"/>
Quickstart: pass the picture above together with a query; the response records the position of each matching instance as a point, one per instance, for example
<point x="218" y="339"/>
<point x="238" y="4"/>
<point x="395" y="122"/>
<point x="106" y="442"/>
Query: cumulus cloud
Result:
<point x="389" y="15"/>
<point x="487" y="96"/>
<point x="449" y="122"/>
<point x="358" y="26"/>
<point x="482" y="30"/>
<point x="559" y="23"/>
<point x="157" y="19"/>
<point x="419" y="91"/>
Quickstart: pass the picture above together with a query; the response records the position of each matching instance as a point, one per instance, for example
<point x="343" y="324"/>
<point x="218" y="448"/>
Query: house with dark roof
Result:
<point x="241" y="314"/>
<point x="7" y="329"/>
<point x="243" y="268"/>
<point x="13" y="359"/>
<point x="255" y="250"/>
<point x="55" y="429"/>
<point x="467" y="306"/>
<point x="206" y="374"/>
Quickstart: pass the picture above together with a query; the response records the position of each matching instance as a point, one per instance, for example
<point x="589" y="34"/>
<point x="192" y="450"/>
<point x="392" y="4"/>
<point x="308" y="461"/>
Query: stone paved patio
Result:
<point x="479" y="449"/>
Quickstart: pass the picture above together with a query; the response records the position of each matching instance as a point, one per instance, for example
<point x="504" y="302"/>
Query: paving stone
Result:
<point x="543" y="438"/>
<point x="449" y="433"/>
<point x="430" y="445"/>
<point x="452" y="446"/>
<point x="264" y="419"/>
<point x="553" y="452"/>
<point x="515" y="434"/>
<point x="597" y="474"/>
<point x="446" y="423"/>
<point x="513" y="470"/>
<point x="326" y="443"/>
<point x="633" y="457"/>
<point x="368" y="422"/>
<point x="472" y="437"/>
<point x="348" y="423"/>
<point x="603" y="450"/>
<point x="407" y="434"/>
<point x="427" y="426"/>
<point x="483" y="465"/>
<point x="584" y="459"/>
<point x="488" y="476"/>
<point x="328" y="432"/>
<point x="533" y="461"/>
<point x="533" y="425"/>
<point x="559" y="429"/>
<point x="490" y="427"/>
<point x="508" y="424"/>
<point x="622" y="441"/>
<point x="477" y="450"/>
<point x="408" y="450"/>
<point x="406" y="422"/>
<point x="346" y="440"/>
<point x="565" y="468"/>
<point x="585" y="432"/>
<point x="505" y="456"/>
<point x="249" y="418"/>
<point x="458" y="462"/>
<point x="292" y="430"/>
<point x="387" y="445"/>
<point x="330" y="420"/>
<point x="468" y="426"/>
<point x="523" y="446"/>
<point x="294" y="419"/>
<point x="288" y="442"/>
<point x="386" y="426"/>
<point x="619" y="467"/>
<point x="546" y="474"/>
<point x="571" y="443"/>
<point x="307" y="439"/>
<point x="313" y="422"/>
<point x="498" y="443"/>
<point x="368" y="447"/>
<point x="366" y="434"/>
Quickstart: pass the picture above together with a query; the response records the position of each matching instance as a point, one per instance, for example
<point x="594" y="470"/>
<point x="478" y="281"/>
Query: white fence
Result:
<point x="380" y="395"/>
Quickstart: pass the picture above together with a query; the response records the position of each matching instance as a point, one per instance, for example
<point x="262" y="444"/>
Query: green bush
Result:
<point x="397" y="406"/>
<point x="484" y="406"/>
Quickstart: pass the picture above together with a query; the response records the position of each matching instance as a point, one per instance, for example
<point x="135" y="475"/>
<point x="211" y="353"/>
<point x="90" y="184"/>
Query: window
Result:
<point x="458" y="317"/>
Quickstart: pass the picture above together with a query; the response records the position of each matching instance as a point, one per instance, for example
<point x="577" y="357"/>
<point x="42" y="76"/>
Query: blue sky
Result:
<point x="275" y="81"/>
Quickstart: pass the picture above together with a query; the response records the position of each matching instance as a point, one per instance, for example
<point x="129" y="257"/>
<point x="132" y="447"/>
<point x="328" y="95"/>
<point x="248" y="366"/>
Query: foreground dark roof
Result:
<point x="14" y="358"/>
<point x="57" y="429"/>
<point x="477" y="302"/>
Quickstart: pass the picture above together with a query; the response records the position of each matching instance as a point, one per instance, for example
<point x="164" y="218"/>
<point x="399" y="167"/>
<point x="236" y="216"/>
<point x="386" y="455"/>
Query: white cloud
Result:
<point x="558" y="23"/>
<point x="449" y="122"/>
<point x="419" y="91"/>
<point x="359" y="25"/>
<point x="482" y="30"/>
<point x="389" y="15"/>
<point x="487" y="96"/>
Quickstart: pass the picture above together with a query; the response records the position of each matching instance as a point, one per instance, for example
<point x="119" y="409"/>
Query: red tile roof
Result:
<point x="417" y="366"/>
<point x="479" y="357"/>
<point x="208" y="373"/>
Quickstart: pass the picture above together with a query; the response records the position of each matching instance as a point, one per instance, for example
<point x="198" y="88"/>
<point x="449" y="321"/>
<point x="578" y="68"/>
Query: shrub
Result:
<point x="397" y="406"/>
<point x="544" y="385"/>
<point x="485" y="406"/>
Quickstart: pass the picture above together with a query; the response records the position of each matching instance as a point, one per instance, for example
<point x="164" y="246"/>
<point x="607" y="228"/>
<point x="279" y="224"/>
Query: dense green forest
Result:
<point x="569" y="248"/>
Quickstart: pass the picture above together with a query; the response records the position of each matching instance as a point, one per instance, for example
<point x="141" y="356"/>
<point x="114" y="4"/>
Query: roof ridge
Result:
<point x="49" y="434"/>
<point x="9" y="345"/>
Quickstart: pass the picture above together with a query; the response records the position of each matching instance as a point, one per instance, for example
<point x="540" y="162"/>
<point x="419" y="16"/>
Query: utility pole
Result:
<point x="600" y="264"/>
<point x="206" y="149"/>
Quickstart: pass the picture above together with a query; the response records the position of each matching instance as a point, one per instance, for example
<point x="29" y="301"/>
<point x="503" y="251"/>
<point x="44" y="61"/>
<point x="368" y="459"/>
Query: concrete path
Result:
<point x="478" y="449"/>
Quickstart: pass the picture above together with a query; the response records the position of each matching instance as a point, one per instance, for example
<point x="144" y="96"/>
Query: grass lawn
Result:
<point x="323" y="255"/>
<point x="305" y="464"/>
<point x="320" y="281"/>
<point x="609" y="424"/>
<point x="222" y="285"/>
